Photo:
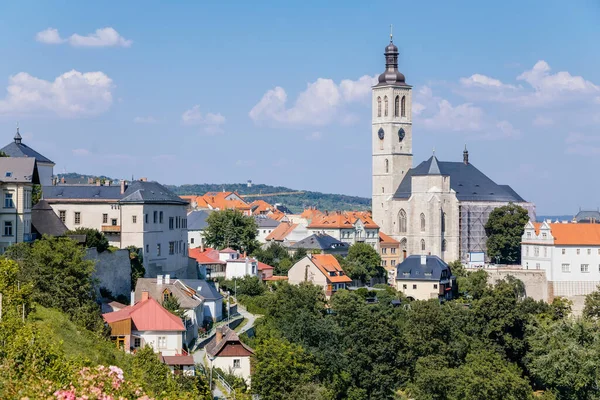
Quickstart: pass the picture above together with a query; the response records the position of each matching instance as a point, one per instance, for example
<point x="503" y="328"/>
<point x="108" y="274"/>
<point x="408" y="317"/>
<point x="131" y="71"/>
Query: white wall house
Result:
<point x="227" y="352"/>
<point x="143" y="214"/>
<point x="569" y="253"/>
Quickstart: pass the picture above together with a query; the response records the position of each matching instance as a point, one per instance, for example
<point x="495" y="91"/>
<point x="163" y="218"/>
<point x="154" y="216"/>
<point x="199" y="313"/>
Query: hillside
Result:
<point x="295" y="202"/>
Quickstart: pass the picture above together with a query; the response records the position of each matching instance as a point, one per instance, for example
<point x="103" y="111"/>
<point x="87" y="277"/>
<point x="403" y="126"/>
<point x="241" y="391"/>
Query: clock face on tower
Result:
<point x="381" y="133"/>
<point x="401" y="134"/>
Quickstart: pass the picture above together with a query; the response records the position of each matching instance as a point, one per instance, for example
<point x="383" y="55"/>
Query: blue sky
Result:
<point x="215" y="92"/>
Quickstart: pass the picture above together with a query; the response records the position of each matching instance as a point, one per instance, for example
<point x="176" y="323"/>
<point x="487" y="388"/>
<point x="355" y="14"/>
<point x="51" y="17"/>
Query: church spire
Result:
<point x="466" y="155"/>
<point x="391" y="76"/>
<point x="18" y="135"/>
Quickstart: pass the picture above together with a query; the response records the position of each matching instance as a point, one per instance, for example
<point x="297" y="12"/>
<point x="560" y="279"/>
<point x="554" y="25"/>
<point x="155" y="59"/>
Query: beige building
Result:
<point x="389" y="251"/>
<point x="322" y="270"/>
<point x="17" y="177"/>
<point x="347" y="226"/>
<point x="437" y="208"/>
<point x="424" y="278"/>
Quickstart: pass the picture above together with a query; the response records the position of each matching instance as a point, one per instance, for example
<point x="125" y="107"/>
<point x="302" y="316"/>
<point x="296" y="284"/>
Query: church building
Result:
<point x="436" y="208"/>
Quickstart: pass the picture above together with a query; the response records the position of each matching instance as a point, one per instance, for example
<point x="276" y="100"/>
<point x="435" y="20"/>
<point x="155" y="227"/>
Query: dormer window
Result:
<point x="166" y="294"/>
<point x="529" y="235"/>
<point x="8" y="174"/>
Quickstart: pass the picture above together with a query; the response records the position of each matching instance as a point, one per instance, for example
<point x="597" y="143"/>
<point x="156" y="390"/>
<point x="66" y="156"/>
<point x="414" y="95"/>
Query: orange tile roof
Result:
<point x="208" y="256"/>
<point x="217" y="200"/>
<point x="276" y="278"/>
<point x="571" y="234"/>
<point x="311" y="213"/>
<point x="383" y="238"/>
<point x="328" y="263"/>
<point x="260" y="207"/>
<point x="147" y="315"/>
<point x="281" y="232"/>
<point x="276" y="215"/>
<point x="340" y="220"/>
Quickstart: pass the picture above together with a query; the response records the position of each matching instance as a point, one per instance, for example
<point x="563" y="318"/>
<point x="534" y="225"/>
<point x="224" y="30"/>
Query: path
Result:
<point x="251" y="318"/>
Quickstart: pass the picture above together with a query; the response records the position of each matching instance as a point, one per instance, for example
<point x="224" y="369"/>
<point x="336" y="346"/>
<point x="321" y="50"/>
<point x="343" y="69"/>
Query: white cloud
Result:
<point x="144" y="120"/>
<point x="541" y="120"/>
<point x="104" y="37"/>
<point x="314" y="136"/>
<point x="583" y="145"/>
<point x="211" y="122"/>
<point x="321" y="103"/>
<point x="81" y="152"/>
<point x="482" y="81"/>
<point x="72" y="94"/>
<point x="49" y="36"/>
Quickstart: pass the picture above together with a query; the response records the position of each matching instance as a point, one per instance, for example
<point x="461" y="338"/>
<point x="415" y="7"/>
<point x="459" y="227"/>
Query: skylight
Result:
<point x="8" y="174"/>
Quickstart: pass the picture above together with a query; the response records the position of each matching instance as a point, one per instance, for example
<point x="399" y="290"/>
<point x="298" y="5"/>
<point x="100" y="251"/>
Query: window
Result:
<point x="537" y="265"/>
<point x="137" y="342"/>
<point x="134" y="219"/>
<point x="414" y="286"/>
<point x="404" y="287"/>
<point x="379" y="106"/>
<point x="443" y="222"/>
<point x="545" y="251"/>
<point x="192" y="240"/>
<point x="171" y="247"/>
<point x="62" y="214"/>
<point x="147" y="249"/>
<point x="393" y="250"/>
<point x="589" y="251"/>
<point x="528" y="235"/>
<point x="237" y="363"/>
<point x="387" y="166"/>
<point x="166" y="294"/>
<point x="385" y="106"/>
<point x="566" y="268"/>
<point x="527" y="251"/>
<point x="113" y="222"/>
<point x="384" y="263"/>
<point x="585" y="268"/>
<point x="402" y="221"/>
<point x="536" y="251"/>
<point x="435" y="285"/>
<point x="161" y="217"/>
<point x="578" y="251"/>
<point x="105" y="218"/>
<point x="77" y="218"/>
<point x="155" y="215"/>
<point x="162" y="342"/>
<point x="423" y="244"/>
<point x="397" y="106"/>
<point x="444" y="244"/>
<point x="403" y="106"/>
<point x="146" y="218"/>
<point x="158" y="249"/>
<point x="384" y="250"/>
<point x="544" y="235"/>
<point x="8" y="228"/>
<point x="171" y="223"/>
<point x="422" y="222"/>
<point x="8" y="200"/>
<point x="564" y="251"/>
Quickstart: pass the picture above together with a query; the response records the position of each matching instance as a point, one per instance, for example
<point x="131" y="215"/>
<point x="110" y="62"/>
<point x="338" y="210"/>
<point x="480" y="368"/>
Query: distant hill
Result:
<point x="295" y="202"/>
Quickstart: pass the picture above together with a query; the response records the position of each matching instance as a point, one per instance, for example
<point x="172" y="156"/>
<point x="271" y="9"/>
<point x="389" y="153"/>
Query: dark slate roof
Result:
<point x="412" y="269"/>
<point x="468" y="182"/>
<point x="150" y="192"/>
<point x="283" y="209"/>
<point x="45" y="221"/>
<point x="18" y="149"/>
<point x="196" y="220"/>
<point x="18" y="170"/>
<point x="81" y="192"/>
<point x="583" y="216"/>
<point x="320" y="242"/>
<point x="264" y="222"/>
<point x="203" y="289"/>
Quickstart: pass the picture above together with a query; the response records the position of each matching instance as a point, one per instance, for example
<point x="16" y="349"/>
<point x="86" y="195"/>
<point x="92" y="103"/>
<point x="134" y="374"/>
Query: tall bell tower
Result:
<point x="391" y="135"/>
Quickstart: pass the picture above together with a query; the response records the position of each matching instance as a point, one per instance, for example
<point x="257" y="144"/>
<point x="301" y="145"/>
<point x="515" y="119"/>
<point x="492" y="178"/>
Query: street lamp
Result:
<point x="210" y="358"/>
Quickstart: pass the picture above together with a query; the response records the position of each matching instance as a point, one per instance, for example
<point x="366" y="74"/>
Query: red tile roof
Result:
<point x="147" y="315"/>
<point x="327" y="263"/>
<point x="263" y="266"/>
<point x="281" y="232"/>
<point x="345" y="219"/>
<point x="385" y="239"/>
<point x="208" y="256"/>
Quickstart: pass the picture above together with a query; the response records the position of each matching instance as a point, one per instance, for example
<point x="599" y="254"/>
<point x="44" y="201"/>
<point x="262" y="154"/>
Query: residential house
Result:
<point x="226" y="263"/>
<point x="569" y="253"/>
<point x="322" y="270"/>
<point x="142" y="214"/>
<point x="196" y="224"/>
<point x="146" y="323"/>
<point x="288" y="233"/>
<point x="212" y="299"/>
<point x="219" y="201"/>
<point x="347" y="226"/>
<point x="261" y="207"/>
<point x="181" y="364"/>
<point x="321" y="243"/>
<point x="17" y="177"/>
<point x="266" y="226"/>
<point x="227" y="352"/>
<point x="389" y="251"/>
<point x="424" y="278"/>
<point x="18" y="149"/>
<point x="265" y="271"/>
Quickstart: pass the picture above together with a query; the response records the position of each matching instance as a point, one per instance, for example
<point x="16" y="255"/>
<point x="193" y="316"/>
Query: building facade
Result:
<point x="437" y="208"/>
<point x="18" y="149"/>
<point x="322" y="270"/>
<point x="425" y="278"/>
<point x="347" y="226"/>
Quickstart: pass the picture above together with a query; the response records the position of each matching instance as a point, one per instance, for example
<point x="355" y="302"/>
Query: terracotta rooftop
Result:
<point x="147" y="315"/>
<point x="572" y="234"/>
<point x="383" y="238"/>
<point x="208" y="256"/>
<point x="327" y="263"/>
<point x="281" y="232"/>
<point x="343" y="219"/>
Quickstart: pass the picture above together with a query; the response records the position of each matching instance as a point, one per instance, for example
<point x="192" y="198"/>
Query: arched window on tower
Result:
<point x="387" y="166"/>
<point x="403" y="106"/>
<point x="444" y="244"/>
<point x="443" y="221"/>
<point x="422" y="244"/>
<point x="402" y="221"/>
<point x="385" y="106"/>
<point x="379" y="106"/>
<point x="397" y="106"/>
<point x="422" y="222"/>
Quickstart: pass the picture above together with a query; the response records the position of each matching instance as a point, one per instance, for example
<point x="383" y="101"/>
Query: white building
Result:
<point x="322" y="270"/>
<point x="227" y="352"/>
<point x="226" y="263"/>
<point x="569" y="253"/>
<point x="17" y="149"/>
<point x="17" y="177"/>
<point x="196" y="226"/>
<point x="437" y="208"/>
<point x="143" y="214"/>
<point x="266" y="226"/>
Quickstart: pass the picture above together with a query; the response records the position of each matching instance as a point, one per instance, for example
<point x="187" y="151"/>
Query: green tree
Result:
<point x="93" y="238"/>
<point x="591" y="308"/>
<point x="560" y="308"/>
<point x="36" y="194"/>
<point x="231" y="228"/>
<point x="504" y="230"/>
<point x="172" y="305"/>
<point x="249" y="286"/>
<point x="136" y="260"/>
<point x="363" y="262"/>
<point x="284" y="267"/>
<point x="457" y="268"/>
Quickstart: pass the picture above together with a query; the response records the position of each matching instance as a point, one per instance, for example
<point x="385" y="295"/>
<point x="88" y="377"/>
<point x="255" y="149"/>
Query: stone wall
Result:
<point x="536" y="285"/>
<point x="113" y="271"/>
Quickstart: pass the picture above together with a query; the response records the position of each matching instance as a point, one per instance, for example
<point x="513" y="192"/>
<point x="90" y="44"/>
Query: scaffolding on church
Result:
<point x="472" y="217"/>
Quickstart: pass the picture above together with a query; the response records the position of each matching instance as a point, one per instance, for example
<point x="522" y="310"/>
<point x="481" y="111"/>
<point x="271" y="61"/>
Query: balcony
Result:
<point x="111" y="229"/>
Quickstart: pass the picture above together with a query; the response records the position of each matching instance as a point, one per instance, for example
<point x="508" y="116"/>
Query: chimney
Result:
<point x="123" y="186"/>
<point x="423" y="260"/>
<point x="145" y="295"/>
<point x="159" y="279"/>
<point x="167" y="279"/>
<point x="219" y="334"/>
<point x="132" y="301"/>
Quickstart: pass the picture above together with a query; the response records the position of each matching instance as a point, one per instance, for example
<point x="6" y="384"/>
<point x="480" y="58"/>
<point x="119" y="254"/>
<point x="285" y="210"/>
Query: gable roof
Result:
<point x="196" y="220"/>
<point x="342" y="220"/>
<point x="327" y="263"/>
<point x="264" y="221"/>
<point x="572" y="234"/>
<point x="262" y="266"/>
<point x="147" y="315"/>
<point x="385" y="239"/>
<point x="320" y="241"/>
<point x="412" y="269"/>
<point x="150" y="192"/>
<point x="230" y="338"/>
<point x="208" y="256"/>
<point x="18" y="149"/>
<point x="281" y="232"/>
<point x="468" y="182"/>
<point x="82" y="192"/>
<point x="202" y="288"/>
<point x="18" y="170"/>
<point x="45" y="221"/>
<point x="186" y="298"/>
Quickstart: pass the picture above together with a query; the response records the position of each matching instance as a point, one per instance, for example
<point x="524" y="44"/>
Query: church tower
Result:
<point x="391" y="135"/>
